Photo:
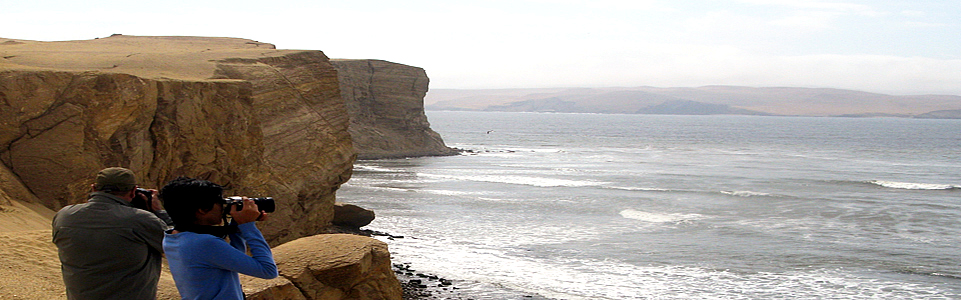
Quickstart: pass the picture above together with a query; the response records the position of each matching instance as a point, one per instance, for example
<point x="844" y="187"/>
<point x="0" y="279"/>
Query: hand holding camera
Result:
<point x="243" y="209"/>
<point x="246" y="213"/>
<point x="147" y="200"/>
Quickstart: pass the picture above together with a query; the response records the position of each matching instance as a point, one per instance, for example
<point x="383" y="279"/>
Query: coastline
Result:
<point x="418" y="285"/>
<point x="424" y="286"/>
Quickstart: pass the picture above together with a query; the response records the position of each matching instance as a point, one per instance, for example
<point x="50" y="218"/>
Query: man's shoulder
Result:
<point x="142" y="216"/>
<point x="70" y="210"/>
<point x="108" y="211"/>
<point x="72" y="207"/>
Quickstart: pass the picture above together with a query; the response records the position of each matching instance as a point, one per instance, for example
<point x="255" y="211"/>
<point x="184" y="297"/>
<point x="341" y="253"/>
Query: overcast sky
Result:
<point x="897" y="47"/>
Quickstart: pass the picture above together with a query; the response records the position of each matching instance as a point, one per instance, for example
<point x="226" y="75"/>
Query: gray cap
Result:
<point x="115" y="179"/>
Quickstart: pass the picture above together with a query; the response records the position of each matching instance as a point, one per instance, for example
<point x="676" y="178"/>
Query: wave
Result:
<point x="746" y="193"/>
<point x="521" y="180"/>
<point x="373" y="168"/>
<point x="451" y="192"/>
<point x="660" y="217"/>
<point x="631" y="188"/>
<point x="913" y="186"/>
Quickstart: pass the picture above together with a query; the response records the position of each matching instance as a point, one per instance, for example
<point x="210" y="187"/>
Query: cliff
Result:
<point x="385" y="101"/>
<point x="261" y="121"/>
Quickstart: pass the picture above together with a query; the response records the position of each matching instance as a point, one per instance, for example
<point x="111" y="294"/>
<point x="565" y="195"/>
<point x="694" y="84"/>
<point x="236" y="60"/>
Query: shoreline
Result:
<point x="421" y="286"/>
<point x="418" y="285"/>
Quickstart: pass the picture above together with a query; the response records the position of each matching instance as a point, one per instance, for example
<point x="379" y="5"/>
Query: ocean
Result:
<point x="592" y="206"/>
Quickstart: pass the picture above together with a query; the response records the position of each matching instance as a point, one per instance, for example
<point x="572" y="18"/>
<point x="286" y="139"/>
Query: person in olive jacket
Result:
<point x="108" y="248"/>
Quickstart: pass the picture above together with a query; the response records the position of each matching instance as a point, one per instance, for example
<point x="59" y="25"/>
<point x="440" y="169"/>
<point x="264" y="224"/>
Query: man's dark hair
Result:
<point x="183" y="196"/>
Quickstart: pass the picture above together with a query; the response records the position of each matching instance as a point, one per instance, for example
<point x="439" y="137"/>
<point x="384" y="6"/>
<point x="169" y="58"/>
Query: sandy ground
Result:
<point x="29" y="266"/>
<point x="175" y="57"/>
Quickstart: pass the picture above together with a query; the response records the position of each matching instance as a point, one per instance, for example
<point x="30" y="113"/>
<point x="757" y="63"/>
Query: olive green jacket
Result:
<point x="109" y="249"/>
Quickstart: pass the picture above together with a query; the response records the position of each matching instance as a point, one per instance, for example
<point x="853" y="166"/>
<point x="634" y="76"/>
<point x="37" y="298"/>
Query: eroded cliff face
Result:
<point x="261" y="121"/>
<point x="385" y="101"/>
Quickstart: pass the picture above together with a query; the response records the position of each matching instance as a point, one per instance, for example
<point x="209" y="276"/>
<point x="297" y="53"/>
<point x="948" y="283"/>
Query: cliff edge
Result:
<point x="385" y="101"/>
<point x="261" y="121"/>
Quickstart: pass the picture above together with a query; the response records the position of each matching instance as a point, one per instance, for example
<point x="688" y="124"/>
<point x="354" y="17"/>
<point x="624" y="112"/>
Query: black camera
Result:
<point x="141" y="204"/>
<point x="265" y="204"/>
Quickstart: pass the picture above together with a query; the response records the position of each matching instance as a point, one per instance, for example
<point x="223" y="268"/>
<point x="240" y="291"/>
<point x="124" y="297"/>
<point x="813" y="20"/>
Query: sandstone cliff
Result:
<point x="385" y="101"/>
<point x="241" y="113"/>
<point x="261" y="121"/>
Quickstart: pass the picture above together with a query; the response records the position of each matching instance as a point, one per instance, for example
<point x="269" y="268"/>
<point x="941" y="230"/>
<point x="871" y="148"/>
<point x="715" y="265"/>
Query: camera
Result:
<point x="141" y="204"/>
<point x="265" y="204"/>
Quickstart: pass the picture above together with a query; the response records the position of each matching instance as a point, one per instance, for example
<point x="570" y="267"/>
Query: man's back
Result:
<point x="108" y="250"/>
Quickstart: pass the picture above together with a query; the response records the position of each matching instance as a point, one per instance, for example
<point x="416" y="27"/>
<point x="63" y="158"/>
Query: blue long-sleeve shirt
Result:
<point x="206" y="267"/>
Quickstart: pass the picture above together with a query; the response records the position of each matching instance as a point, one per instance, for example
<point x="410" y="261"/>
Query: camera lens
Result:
<point x="265" y="204"/>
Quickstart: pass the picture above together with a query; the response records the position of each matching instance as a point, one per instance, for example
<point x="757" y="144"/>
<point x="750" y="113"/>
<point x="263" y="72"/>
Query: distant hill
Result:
<point x="707" y="100"/>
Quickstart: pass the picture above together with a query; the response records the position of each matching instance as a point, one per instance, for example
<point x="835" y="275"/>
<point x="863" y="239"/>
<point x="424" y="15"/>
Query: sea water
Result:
<point x="590" y="206"/>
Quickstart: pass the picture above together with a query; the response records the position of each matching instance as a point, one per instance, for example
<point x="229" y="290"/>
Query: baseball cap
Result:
<point x="115" y="179"/>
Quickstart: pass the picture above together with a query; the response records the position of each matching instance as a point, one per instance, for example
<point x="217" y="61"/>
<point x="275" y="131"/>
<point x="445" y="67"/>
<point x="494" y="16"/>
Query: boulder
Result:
<point x="330" y="267"/>
<point x="269" y="289"/>
<point x="352" y="216"/>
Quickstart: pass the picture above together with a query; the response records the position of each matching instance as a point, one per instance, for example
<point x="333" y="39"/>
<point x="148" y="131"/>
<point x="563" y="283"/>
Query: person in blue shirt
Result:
<point x="204" y="265"/>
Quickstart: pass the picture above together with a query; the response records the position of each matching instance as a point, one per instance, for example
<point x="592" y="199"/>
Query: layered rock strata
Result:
<point x="386" y="105"/>
<point x="261" y="121"/>
<point x="329" y="266"/>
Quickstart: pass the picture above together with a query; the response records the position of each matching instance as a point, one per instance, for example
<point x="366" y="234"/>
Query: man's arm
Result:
<point x="151" y="229"/>
<point x="162" y="214"/>
<point x="156" y="207"/>
<point x="224" y="256"/>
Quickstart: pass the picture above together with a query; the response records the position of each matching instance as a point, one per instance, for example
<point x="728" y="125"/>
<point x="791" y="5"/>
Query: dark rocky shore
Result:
<point x="420" y="286"/>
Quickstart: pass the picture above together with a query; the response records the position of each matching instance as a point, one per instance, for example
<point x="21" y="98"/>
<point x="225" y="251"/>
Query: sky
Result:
<point x="884" y="46"/>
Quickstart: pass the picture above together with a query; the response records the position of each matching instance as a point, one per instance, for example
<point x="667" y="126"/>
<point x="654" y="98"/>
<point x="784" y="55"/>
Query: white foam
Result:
<point x="659" y="217"/>
<point x="450" y="193"/>
<point x="744" y="193"/>
<point x="522" y="180"/>
<point x="571" y="278"/>
<point x="373" y="168"/>
<point x="913" y="186"/>
<point x="631" y="188"/>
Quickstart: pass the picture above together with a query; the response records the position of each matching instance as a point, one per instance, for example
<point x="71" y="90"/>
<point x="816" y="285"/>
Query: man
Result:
<point x="109" y="249"/>
<point x="203" y="264"/>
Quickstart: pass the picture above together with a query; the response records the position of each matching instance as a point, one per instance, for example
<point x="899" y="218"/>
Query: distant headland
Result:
<point x="705" y="100"/>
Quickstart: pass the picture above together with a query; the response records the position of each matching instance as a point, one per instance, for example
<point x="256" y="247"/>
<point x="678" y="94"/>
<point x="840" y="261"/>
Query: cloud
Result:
<point x="812" y="4"/>
<point x="913" y="13"/>
<point x="810" y="20"/>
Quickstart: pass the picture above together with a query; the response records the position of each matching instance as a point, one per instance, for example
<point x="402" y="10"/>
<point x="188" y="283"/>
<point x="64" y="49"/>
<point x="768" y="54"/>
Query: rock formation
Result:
<point x="352" y="216"/>
<point x="329" y="266"/>
<point x="386" y="105"/>
<point x="261" y="121"/>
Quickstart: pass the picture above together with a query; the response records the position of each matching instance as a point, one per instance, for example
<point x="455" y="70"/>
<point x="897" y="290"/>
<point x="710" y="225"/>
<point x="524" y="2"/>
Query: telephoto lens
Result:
<point x="265" y="204"/>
